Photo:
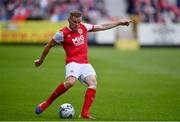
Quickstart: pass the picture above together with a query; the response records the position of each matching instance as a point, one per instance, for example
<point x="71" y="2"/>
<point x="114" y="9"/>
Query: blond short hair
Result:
<point x="75" y="13"/>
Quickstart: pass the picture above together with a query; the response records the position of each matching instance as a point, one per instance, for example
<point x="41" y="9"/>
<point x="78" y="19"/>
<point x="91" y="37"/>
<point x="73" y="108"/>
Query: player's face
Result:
<point x="74" y="23"/>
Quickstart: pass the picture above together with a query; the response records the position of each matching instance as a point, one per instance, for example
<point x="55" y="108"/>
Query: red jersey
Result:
<point x="74" y="43"/>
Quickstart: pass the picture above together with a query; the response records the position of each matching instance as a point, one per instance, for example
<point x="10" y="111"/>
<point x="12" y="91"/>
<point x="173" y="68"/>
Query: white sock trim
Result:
<point x="92" y="87"/>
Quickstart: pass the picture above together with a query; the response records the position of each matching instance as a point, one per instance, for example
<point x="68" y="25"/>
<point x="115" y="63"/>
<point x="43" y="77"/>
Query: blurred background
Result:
<point x="35" y="21"/>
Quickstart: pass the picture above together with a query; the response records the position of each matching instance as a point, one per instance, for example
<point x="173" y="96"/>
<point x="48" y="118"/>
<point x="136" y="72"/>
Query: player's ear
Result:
<point x="69" y="19"/>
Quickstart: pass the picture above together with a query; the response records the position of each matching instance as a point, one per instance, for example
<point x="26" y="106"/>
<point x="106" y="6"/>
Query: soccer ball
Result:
<point x="66" y="110"/>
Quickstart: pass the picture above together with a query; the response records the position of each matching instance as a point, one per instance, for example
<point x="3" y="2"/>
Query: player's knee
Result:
<point x="70" y="81"/>
<point x="69" y="84"/>
<point x="91" y="81"/>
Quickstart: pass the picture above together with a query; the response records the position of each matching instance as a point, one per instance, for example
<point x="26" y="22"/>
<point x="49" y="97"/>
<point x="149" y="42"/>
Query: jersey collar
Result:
<point x="69" y="28"/>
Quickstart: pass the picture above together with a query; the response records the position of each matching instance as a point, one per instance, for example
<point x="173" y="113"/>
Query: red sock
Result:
<point x="89" y="98"/>
<point x="57" y="92"/>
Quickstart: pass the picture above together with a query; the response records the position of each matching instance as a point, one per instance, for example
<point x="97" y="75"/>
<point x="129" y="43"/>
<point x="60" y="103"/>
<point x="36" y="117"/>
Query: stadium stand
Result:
<point x="54" y="10"/>
<point x="155" y="11"/>
<point x="97" y="11"/>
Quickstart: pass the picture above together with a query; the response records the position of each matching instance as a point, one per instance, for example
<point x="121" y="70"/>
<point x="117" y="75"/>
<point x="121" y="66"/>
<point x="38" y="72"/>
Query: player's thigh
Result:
<point x="73" y="69"/>
<point x="88" y="75"/>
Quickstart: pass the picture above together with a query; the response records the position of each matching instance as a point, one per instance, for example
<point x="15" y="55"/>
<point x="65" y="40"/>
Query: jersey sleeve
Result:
<point x="58" y="37"/>
<point x="89" y="27"/>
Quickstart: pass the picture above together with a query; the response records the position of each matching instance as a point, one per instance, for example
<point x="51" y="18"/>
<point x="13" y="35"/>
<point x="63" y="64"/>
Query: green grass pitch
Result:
<point x="132" y="85"/>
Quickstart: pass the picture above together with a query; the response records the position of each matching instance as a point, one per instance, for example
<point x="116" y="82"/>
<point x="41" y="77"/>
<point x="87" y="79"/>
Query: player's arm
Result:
<point x="46" y="50"/>
<point x="109" y="25"/>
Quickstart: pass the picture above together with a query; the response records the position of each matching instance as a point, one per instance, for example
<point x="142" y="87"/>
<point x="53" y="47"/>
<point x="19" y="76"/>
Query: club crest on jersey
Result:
<point x="80" y="31"/>
<point x="78" y="40"/>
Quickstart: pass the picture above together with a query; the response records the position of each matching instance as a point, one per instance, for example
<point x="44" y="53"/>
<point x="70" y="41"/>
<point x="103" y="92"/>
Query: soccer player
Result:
<point x="74" y="41"/>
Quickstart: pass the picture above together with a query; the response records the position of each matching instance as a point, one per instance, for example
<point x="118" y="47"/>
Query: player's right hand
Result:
<point x="37" y="62"/>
